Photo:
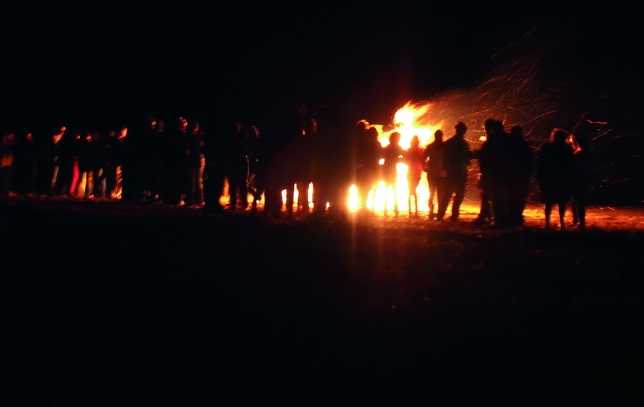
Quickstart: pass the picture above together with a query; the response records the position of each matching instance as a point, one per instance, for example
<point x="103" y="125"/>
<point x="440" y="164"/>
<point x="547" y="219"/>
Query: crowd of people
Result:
<point x="506" y="163"/>
<point x="154" y="164"/>
<point x="181" y="165"/>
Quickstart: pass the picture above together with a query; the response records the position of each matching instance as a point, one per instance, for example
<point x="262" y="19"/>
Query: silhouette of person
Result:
<point x="145" y="154"/>
<point x="118" y="157"/>
<point x="196" y="165"/>
<point x="256" y="165"/>
<point x="51" y="164"/>
<point x="237" y="168"/>
<point x="520" y="162"/>
<point x="75" y="147"/>
<point x="414" y="160"/>
<point x="110" y="165"/>
<point x="555" y="165"/>
<point x="580" y="182"/>
<point x="456" y="160"/>
<point x="215" y="155"/>
<point x="28" y="157"/>
<point x="304" y="133"/>
<point x="86" y="162"/>
<point x="435" y="171"/>
<point x="157" y="174"/>
<point x="67" y="158"/>
<point x="175" y="161"/>
<point x="367" y="153"/>
<point x="392" y="155"/>
<point x="101" y="165"/>
<point x="488" y="158"/>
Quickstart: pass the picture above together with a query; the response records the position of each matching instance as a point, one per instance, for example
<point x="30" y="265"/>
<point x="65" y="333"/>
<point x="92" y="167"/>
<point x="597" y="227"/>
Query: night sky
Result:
<point x="104" y="63"/>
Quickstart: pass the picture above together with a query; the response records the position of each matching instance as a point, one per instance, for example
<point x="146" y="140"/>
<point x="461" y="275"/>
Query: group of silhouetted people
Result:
<point x="155" y="163"/>
<point x="506" y="162"/>
<point x="562" y="174"/>
<point x="180" y="164"/>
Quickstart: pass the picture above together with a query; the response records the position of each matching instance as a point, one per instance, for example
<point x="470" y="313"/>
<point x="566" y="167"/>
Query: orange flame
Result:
<point x="410" y="120"/>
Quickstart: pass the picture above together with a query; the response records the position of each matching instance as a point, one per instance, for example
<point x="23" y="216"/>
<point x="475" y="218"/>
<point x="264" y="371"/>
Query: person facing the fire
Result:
<point x="257" y="151"/>
<point x="66" y="159"/>
<point x="414" y="160"/>
<point x="28" y="160"/>
<point x="435" y="171"/>
<point x="392" y="155"/>
<point x="555" y="165"/>
<point x="214" y="150"/>
<point x="491" y="157"/>
<point x="237" y="166"/>
<point x="366" y="162"/>
<point x="196" y="165"/>
<point x="120" y="163"/>
<point x="175" y="159"/>
<point x="456" y="159"/>
<point x="305" y="132"/>
<point x="520" y="161"/>
<point x="86" y="159"/>
<point x="101" y="165"/>
<point x="580" y="183"/>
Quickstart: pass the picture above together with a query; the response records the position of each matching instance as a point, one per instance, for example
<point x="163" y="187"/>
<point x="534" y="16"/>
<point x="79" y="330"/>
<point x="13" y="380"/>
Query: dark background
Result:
<point x="103" y="63"/>
<point x="542" y="65"/>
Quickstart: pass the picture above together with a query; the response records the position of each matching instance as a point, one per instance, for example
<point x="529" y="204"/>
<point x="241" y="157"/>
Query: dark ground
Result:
<point x="105" y="303"/>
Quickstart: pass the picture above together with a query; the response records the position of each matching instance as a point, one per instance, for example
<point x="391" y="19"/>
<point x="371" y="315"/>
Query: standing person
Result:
<point x="145" y="159"/>
<point x="157" y="163"/>
<point x="580" y="183"/>
<point x="101" y="165"/>
<point x="302" y="133"/>
<point x="110" y="171"/>
<point x="493" y="182"/>
<point x="367" y="154"/>
<point x="49" y="164"/>
<point x="310" y="139"/>
<point x="118" y="152"/>
<point x="555" y="165"/>
<point x="435" y="171"/>
<point x="456" y="158"/>
<point x="66" y="160"/>
<point x="131" y="191"/>
<point x="414" y="160"/>
<point x="175" y="160"/>
<point x="214" y="171"/>
<point x="28" y="152"/>
<point x="520" y="161"/>
<point x="196" y="164"/>
<point x="75" y="147"/>
<point x="392" y="155"/>
<point x="236" y="147"/>
<point x="256" y="165"/>
<point x="7" y="153"/>
<point x="487" y="167"/>
<point x="86" y="163"/>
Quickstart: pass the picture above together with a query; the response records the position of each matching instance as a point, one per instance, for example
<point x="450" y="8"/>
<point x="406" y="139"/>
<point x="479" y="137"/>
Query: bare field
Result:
<point x="127" y="305"/>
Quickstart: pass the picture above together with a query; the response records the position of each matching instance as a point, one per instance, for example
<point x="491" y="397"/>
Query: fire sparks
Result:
<point x="413" y="119"/>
